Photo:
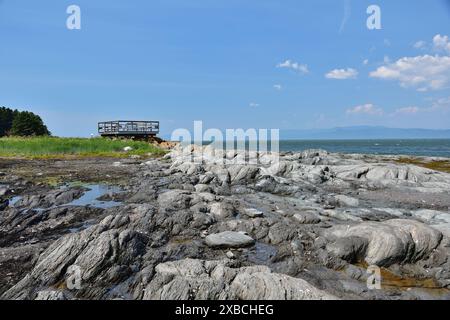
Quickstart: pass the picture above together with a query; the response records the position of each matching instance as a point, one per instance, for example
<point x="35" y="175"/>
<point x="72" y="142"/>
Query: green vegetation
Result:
<point x="21" y="123"/>
<point x="28" y="124"/>
<point x="52" y="147"/>
<point x="439" y="165"/>
<point x="6" y="119"/>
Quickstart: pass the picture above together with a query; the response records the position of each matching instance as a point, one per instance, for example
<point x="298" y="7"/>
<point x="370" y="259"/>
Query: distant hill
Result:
<point x="364" y="132"/>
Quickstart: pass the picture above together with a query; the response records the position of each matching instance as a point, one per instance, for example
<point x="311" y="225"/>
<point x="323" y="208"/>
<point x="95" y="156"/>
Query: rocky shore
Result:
<point x="198" y="224"/>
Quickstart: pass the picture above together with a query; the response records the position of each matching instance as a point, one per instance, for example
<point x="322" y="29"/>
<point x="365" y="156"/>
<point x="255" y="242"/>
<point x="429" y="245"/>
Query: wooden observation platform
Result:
<point x="128" y="129"/>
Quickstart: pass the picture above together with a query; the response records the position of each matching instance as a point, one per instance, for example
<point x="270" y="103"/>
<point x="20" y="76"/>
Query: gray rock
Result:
<point x="206" y="178"/>
<point x="206" y="280"/>
<point x="393" y="241"/>
<point x="50" y="295"/>
<point x="4" y="191"/>
<point x="389" y="174"/>
<point x="4" y="204"/>
<point x="252" y="212"/>
<point x="202" y="188"/>
<point x="351" y="249"/>
<point x="51" y="199"/>
<point x="170" y="205"/>
<point x="347" y="201"/>
<point x="241" y="173"/>
<point x="340" y="215"/>
<point x="221" y="210"/>
<point x="92" y="250"/>
<point x="230" y="255"/>
<point x="175" y="199"/>
<point x="229" y="239"/>
<point x="307" y="218"/>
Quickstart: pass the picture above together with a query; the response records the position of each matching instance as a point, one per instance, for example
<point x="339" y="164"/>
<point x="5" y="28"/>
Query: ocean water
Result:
<point x="415" y="147"/>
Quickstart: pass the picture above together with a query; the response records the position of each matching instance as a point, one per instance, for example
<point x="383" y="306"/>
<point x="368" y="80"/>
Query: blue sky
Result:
<point x="233" y="64"/>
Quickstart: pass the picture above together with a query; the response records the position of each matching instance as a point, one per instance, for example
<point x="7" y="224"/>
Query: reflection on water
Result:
<point x="425" y="288"/>
<point x="89" y="198"/>
<point x="261" y="253"/>
<point x="14" y="200"/>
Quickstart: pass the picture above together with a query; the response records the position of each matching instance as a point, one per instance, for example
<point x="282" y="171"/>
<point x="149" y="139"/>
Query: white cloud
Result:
<point x="407" y="110"/>
<point x="441" y="43"/>
<point x="420" y="44"/>
<point x="254" y="104"/>
<point x="368" y="108"/>
<point x="301" y="68"/>
<point x="366" y="62"/>
<point x="278" y="87"/>
<point x="342" y="74"/>
<point x="421" y="72"/>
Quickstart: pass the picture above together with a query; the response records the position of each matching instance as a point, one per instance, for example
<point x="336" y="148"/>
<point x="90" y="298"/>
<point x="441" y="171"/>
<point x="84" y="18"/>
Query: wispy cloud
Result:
<point x="342" y="74"/>
<point x="278" y="87"/>
<point x="438" y="107"/>
<point x="420" y="44"/>
<point x="407" y="110"/>
<point x="254" y="104"/>
<point x="298" y="67"/>
<point x="441" y="105"/>
<point x="347" y="15"/>
<point x="368" y="109"/>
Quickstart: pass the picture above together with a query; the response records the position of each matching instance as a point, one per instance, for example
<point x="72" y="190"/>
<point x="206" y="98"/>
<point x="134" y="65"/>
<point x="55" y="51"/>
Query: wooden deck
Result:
<point x="128" y="128"/>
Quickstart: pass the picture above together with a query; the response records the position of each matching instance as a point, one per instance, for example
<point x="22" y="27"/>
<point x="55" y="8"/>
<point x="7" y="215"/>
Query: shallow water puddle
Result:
<point x="261" y="253"/>
<point x="14" y="200"/>
<point x="89" y="198"/>
<point x="425" y="286"/>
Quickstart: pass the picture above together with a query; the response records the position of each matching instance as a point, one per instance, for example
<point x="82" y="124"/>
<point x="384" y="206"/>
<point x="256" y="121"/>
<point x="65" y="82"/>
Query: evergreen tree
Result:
<point x="28" y="124"/>
<point x="6" y="119"/>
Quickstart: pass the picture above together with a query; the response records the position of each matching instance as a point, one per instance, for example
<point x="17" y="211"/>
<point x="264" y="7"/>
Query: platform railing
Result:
<point x="123" y="127"/>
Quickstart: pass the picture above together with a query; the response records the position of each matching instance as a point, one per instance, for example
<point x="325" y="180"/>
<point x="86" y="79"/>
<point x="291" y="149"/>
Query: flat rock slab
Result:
<point x="216" y="280"/>
<point x="229" y="239"/>
<point x="253" y="213"/>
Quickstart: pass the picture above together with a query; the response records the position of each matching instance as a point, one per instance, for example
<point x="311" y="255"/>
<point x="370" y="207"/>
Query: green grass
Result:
<point x="52" y="147"/>
<point x="439" y="165"/>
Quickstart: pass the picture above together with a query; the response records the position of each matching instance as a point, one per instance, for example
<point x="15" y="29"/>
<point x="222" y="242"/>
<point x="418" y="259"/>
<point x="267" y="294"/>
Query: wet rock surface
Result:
<point x="200" y="224"/>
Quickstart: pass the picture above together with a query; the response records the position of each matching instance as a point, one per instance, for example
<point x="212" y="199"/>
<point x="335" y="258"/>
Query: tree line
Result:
<point x="21" y="123"/>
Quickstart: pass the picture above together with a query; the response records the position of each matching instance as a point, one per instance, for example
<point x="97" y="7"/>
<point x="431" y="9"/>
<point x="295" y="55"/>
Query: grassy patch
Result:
<point x="52" y="147"/>
<point x="440" y="165"/>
